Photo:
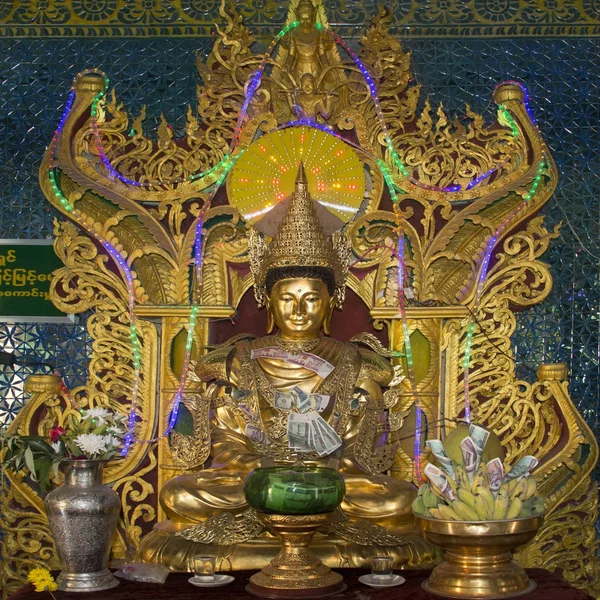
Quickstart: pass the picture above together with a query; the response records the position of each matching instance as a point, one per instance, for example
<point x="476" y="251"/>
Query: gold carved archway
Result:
<point x="456" y="184"/>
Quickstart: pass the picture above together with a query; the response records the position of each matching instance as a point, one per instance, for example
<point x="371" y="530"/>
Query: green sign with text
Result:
<point x="26" y="268"/>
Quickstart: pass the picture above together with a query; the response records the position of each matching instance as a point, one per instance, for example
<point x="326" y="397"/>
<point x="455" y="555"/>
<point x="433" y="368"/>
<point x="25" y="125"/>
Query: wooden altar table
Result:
<point x="550" y="587"/>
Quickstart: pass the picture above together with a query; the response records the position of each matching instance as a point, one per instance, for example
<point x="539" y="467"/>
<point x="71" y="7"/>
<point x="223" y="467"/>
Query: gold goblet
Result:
<point x="295" y="572"/>
<point x="478" y="557"/>
<point x="293" y="502"/>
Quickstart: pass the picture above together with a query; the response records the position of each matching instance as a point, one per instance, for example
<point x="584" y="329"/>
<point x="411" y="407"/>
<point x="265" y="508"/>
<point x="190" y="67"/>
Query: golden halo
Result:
<point x="265" y="174"/>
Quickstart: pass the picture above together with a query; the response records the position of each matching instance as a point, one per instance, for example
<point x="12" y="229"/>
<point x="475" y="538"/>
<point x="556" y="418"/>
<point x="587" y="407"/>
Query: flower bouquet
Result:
<point x="92" y="434"/>
<point x="82" y="509"/>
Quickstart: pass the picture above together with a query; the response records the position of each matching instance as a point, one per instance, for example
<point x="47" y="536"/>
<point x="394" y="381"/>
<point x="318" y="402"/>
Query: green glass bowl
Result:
<point x="294" y="490"/>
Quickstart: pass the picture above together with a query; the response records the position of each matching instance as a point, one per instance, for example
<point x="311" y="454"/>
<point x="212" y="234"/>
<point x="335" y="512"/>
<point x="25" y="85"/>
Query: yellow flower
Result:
<point x="42" y="580"/>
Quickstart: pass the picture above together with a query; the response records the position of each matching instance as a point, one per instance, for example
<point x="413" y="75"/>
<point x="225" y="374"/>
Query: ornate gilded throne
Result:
<point x="463" y="199"/>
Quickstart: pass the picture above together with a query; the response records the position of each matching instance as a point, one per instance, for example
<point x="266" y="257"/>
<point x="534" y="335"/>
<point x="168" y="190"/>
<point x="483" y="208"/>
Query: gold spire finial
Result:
<point x="299" y="241"/>
<point x="301" y="176"/>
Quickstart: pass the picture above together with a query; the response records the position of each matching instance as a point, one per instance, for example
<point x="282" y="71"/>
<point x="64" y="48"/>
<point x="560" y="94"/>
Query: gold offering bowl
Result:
<point x="478" y="557"/>
<point x="295" y="572"/>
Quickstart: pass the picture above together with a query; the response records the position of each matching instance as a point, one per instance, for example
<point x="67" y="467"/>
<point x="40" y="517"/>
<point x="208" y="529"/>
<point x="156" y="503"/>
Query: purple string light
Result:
<point x="253" y="85"/>
<point x="482" y="277"/>
<point x="389" y="142"/>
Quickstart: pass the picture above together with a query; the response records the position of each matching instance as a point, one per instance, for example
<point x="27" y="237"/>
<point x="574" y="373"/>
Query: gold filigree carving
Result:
<point x="446" y="236"/>
<point x="225" y="529"/>
<point x="192" y="451"/>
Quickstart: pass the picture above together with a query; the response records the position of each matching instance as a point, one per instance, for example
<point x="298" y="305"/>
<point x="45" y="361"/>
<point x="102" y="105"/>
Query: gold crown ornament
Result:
<point x="299" y="241"/>
<point x="305" y="4"/>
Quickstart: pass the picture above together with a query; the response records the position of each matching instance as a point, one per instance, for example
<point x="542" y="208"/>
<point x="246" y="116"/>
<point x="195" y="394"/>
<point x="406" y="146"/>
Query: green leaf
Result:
<point x="41" y="446"/>
<point x="73" y="449"/>
<point x="9" y="456"/>
<point x="44" y="465"/>
<point x="30" y="462"/>
<point x="55" y="466"/>
<point x="32" y="438"/>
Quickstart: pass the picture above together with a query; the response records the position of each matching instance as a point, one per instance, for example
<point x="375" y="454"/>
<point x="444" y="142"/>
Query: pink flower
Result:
<point x="55" y="433"/>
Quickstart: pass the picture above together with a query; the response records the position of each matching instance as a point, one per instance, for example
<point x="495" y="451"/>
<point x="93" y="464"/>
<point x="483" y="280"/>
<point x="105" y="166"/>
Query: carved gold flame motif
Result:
<point x="458" y="183"/>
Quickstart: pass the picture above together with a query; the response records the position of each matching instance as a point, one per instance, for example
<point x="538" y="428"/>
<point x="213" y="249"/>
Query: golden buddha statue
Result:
<point x="307" y="47"/>
<point x="261" y="389"/>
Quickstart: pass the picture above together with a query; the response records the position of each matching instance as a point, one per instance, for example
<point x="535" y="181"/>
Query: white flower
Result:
<point x="91" y="443"/>
<point x="112" y="442"/>
<point x="116" y="430"/>
<point x="102" y="415"/>
<point x="55" y="446"/>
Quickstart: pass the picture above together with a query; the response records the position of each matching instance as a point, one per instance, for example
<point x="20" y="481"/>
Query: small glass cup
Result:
<point x="204" y="568"/>
<point x="381" y="568"/>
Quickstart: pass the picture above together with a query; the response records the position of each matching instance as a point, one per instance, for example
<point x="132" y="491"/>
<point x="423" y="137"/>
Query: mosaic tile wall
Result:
<point x="563" y="77"/>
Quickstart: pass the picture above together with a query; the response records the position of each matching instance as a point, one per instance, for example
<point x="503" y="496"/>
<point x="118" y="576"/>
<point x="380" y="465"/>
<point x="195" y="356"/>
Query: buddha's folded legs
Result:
<point x="197" y="497"/>
<point x="381" y="500"/>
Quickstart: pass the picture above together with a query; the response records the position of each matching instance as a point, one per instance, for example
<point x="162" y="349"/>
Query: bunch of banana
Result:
<point x="425" y="501"/>
<point x="474" y="491"/>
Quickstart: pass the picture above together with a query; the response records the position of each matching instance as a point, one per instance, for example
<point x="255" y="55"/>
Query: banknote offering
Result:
<point x="326" y="439"/>
<point x="257" y="435"/>
<point x="312" y="362"/>
<point x="308" y="432"/>
<point x="248" y="412"/>
<point x="437" y="447"/>
<point x="480" y="491"/>
<point x="300" y="400"/>
<point x="238" y="395"/>
<point x="495" y="473"/>
<point x="335" y="420"/>
<point x="319" y="402"/>
<point x="479" y="435"/>
<point x="283" y="400"/>
<point x="471" y="456"/>
<point x="298" y="431"/>
<point x="522" y="467"/>
<point x="439" y="479"/>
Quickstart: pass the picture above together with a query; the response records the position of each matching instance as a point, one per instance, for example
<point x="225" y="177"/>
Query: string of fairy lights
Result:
<point x="222" y="168"/>
<point x="483" y="274"/>
<point x="123" y="265"/>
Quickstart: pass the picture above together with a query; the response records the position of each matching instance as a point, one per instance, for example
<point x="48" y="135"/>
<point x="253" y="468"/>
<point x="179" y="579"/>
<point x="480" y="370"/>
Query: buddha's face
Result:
<point x="306" y="15"/>
<point x="300" y="307"/>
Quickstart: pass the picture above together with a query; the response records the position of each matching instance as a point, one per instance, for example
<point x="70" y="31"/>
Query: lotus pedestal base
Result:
<point x="295" y="572"/>
<point x="478" y="557"/>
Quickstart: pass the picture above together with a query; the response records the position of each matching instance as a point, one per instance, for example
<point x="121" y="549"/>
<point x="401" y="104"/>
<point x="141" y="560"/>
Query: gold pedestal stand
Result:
<point x="295" y="572"/>
<point x="478" y="557"/>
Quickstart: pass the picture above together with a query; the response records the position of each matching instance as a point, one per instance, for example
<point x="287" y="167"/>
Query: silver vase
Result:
<point x="83" y="516"/>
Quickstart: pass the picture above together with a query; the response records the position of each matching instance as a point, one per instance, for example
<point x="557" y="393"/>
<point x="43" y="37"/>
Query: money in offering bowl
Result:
<point x="294" y="490"/>
<point x="492" y="446"/>
<point x="478" y="557"/>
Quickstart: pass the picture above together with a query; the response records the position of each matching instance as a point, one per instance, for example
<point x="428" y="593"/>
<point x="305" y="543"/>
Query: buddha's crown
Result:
<point x="299" y="241"/>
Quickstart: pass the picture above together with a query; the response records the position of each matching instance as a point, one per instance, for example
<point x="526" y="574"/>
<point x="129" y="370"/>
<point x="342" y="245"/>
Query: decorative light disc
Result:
<point x="265" y="174"/>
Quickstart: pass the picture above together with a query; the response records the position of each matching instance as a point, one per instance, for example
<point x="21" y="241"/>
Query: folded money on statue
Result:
<point x="465" y="487"/>
<point x="299" y="400"/>
<point x="307" y="431"/>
